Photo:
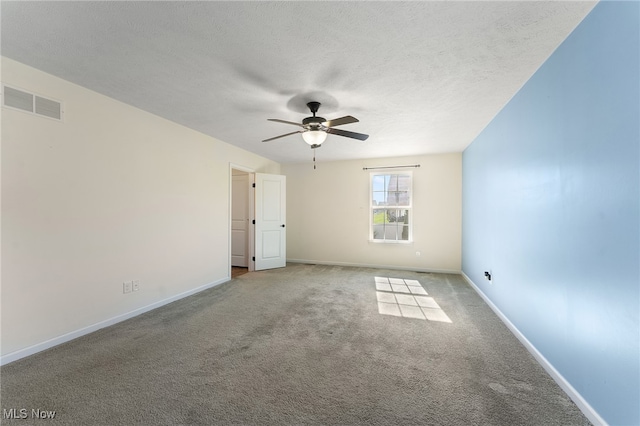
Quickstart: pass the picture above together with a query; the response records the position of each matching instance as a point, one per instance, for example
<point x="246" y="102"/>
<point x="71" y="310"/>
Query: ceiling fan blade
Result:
<point x="285" y="122"/>
<point x="340" y="121"/>
<point x="282" y="136"/>
<point x="354" y="135"/>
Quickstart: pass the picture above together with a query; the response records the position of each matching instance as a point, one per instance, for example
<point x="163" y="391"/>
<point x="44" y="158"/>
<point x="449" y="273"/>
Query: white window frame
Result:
<point x="408" y="207"/>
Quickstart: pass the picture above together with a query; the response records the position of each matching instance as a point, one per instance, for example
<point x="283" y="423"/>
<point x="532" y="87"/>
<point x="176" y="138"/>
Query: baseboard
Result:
<point x="582" y="404"/>
<point x="14" y="356"/>
<point x="377" y="266"/>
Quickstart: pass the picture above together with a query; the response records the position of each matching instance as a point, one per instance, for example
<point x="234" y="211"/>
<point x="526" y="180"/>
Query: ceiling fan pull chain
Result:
<point x="314" y="158"/>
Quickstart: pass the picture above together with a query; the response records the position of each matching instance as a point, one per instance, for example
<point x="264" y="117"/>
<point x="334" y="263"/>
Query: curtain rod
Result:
<point x="391" y="167"/>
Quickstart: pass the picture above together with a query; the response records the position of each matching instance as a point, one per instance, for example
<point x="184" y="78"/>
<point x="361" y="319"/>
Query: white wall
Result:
<point x="111" y="194"/>
<point x="328" y="214"/>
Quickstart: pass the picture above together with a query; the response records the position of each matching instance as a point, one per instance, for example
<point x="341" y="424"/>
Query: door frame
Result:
<point x="251" y="206"/>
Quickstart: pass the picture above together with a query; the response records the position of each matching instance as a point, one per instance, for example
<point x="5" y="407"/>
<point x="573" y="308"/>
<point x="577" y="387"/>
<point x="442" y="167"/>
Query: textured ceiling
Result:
<point x="422" y="77"/>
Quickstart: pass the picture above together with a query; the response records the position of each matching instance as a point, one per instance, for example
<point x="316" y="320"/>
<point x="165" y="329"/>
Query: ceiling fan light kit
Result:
<point x="315" y="129"/>
<point x="314" y="137"/>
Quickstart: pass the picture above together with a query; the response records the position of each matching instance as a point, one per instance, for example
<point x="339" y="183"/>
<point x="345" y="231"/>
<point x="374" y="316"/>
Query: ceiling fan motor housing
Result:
<point x="313" y="122"/>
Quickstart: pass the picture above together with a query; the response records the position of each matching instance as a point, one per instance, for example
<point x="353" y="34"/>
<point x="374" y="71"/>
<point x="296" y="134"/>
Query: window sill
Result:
<point x="391" y="241"/>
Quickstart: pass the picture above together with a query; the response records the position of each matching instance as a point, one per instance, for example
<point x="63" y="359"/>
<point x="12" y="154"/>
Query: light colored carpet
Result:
<point x="304" y="344"/>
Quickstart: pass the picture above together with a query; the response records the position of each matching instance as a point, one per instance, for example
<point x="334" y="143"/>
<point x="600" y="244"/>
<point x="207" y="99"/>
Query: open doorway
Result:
<point x="257" y="225"/>
<point x="241" y="238"/>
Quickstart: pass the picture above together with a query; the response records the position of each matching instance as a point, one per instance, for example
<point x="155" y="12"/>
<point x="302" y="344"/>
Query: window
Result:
<point x="390" y="207"/>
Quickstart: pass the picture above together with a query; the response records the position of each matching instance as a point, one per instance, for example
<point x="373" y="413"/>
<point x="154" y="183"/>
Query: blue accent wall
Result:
<point x="551" y="206"/>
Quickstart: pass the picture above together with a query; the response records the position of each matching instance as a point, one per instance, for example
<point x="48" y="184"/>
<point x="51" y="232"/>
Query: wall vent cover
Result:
<point x="31" y="103"/>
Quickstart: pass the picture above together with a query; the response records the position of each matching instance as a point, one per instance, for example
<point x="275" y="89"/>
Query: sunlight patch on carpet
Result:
<point x="407" y="298"/>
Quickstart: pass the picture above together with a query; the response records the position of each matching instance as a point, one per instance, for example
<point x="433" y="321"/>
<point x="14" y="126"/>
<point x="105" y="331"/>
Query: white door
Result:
<point x="270" y="230"/>
<point x="240" y="220"/>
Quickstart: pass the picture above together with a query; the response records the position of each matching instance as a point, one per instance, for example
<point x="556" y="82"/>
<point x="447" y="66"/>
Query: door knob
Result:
<point x="282" y="225"/>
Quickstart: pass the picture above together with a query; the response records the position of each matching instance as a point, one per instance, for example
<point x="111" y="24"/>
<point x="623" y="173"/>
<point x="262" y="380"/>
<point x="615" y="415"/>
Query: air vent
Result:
<point x="15" y="98"/>
<point x="29" y="102"/>
<point x="48" y="108"/>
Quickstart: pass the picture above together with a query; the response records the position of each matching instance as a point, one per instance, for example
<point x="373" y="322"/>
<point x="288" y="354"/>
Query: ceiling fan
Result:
<point x="315" y="129"/>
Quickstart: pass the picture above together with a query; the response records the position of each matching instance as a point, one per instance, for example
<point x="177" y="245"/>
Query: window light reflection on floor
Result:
<point x="407" y="298"/>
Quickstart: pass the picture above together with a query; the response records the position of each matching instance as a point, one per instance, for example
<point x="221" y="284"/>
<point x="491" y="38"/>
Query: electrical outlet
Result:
<point x="417" y="253"/>
<point x="126" y="287"/>
<point x="135" y="285"/>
